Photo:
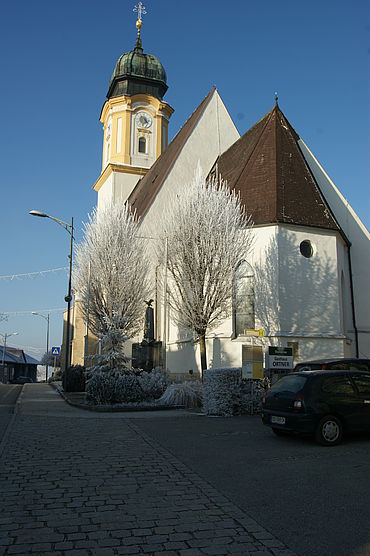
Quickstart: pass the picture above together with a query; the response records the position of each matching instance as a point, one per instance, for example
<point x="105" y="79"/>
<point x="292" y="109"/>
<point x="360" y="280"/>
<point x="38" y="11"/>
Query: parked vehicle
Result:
<point x="322" y="403"/>
<point x="348" y="363"/>
<point x="21" y="380"/>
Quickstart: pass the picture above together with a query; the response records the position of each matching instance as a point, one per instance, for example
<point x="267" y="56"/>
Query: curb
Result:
<point x="113" y="409"/>
<point x="11" y="422"/>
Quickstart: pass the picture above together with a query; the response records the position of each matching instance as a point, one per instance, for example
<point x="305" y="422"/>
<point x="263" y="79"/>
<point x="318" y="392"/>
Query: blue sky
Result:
<point x="57" y="59"/>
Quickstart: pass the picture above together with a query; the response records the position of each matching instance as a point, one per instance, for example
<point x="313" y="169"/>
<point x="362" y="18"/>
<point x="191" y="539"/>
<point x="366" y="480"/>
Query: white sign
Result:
<point x="280" y="362"/>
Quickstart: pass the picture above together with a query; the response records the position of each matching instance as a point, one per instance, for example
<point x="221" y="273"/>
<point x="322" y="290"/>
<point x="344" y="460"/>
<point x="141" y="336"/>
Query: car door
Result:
<point x="362" y="383"/>
<point x="341" y="399"/>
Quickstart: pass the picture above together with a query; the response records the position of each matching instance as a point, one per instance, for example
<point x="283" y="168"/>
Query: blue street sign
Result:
<point x="55" y="350"/>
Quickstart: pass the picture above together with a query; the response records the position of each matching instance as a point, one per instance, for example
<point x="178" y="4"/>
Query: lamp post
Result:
<point x="47" y="338"/>
<point x="68" y="297"/>
<point x="5" y="337"/>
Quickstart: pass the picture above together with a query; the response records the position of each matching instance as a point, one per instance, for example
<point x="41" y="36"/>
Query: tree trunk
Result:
<point x="203" y="352"/>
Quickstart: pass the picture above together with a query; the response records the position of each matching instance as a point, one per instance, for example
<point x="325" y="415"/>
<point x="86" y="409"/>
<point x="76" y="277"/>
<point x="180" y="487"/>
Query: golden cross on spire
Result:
<point x="140" y="9"/>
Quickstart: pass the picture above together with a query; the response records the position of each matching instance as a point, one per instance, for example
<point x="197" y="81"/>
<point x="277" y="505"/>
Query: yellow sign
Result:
<point x="251" y="332"/>
<point x="256" y="333"/>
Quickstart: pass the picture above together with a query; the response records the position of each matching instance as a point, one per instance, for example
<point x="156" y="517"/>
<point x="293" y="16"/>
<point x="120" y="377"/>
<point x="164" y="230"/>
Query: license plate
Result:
<point x="277" y="420"/>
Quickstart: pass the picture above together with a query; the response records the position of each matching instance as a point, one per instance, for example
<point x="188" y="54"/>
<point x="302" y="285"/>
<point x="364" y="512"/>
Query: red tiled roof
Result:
<point x="147" y="188"/>
<point x="267" y="167"/>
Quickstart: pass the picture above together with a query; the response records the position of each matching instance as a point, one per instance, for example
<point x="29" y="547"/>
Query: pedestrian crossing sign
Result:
<point x="55" y="350"/>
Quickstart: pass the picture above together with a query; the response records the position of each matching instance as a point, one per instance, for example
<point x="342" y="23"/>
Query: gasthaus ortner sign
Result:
<point x="280" y="358"/>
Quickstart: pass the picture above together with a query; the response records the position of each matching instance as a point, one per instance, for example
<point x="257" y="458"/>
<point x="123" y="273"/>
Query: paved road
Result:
<point x="315" y="499"/>
<point x="8" y="396"/>
<point x="76" y="483"/>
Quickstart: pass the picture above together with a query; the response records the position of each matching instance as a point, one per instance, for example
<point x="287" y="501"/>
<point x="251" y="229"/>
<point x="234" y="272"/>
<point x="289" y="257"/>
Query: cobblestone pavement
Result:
<point x="96" y="486"/>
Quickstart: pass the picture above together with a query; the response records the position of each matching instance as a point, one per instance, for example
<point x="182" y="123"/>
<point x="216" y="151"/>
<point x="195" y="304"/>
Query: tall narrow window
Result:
<point x="142" y="145"/>
<point x="243" y="299"/>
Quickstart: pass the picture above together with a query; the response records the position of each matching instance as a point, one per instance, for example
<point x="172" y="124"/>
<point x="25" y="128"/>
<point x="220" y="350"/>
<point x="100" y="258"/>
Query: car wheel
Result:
<point x="329" y="431"/>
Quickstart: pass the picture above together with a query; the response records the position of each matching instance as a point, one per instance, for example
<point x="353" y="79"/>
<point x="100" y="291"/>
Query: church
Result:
<point x="304" y="285"/>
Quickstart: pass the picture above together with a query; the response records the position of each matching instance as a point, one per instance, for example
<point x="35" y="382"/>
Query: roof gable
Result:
<point x="267" y="168"/>
<point x="147" y="188"/>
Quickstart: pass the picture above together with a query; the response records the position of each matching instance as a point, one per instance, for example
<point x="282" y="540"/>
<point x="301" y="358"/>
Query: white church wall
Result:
<point x="204" y="145"/>
<point x="123" y="186"/>
<point x="359" y="237"/>
<point x="307" y="285"/>
<point x="116" y="188"/>
<point x="105" y="193"/>
<point x="264" y="259"/>
<point x="296" y="300"/>
<point x="222" y="348"/>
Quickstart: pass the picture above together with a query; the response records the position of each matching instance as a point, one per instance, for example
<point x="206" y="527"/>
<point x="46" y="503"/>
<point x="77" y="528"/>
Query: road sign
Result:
<point x="55" y="350"/>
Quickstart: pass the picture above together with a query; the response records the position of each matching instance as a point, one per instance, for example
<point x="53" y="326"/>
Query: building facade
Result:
<point x="304" y="283"/>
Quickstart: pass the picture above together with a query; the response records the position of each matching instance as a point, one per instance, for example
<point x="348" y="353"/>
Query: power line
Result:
<point x="14" y="313"/>
<point x="32" y="274"/>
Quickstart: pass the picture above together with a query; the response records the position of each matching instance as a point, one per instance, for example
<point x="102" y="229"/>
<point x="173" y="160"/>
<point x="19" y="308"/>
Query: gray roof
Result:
<point x="18" y="356"/>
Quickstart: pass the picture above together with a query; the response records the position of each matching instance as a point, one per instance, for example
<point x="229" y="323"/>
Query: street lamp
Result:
<point x="68" y="297"/>
<point x="5" y="337"/>
<point x="47" y="338"/>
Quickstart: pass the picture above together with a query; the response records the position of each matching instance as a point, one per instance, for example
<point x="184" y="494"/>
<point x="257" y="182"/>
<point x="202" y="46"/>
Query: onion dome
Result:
<point x="136" y="73"/>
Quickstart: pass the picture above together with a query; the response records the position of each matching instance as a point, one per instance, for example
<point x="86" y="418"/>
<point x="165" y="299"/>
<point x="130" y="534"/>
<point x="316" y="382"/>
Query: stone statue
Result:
<point x="149" y="322"/>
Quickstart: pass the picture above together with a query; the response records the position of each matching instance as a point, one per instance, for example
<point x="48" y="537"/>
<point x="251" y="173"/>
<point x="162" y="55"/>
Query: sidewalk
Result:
<point x="78" y="483"/>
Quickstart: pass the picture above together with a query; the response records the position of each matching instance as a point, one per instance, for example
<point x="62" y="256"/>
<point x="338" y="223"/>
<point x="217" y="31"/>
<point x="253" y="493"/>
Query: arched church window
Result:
<point x="142" y="145"/>
<point x="243" y="306"/>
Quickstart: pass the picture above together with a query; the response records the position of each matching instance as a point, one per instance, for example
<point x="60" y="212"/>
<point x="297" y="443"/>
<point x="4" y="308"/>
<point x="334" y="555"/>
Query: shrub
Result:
<point x="75" y="379"/>
<point x="221" y="391"/>
<point x="188" y="394"/>
<point x="110" y="387"/>
<point x="153" y="383"/>
<point x="57" y="375"/>
<point x="252" y="391"/>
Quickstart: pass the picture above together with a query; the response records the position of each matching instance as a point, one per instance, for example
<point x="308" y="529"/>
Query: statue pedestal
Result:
<point x="147" y="355"/>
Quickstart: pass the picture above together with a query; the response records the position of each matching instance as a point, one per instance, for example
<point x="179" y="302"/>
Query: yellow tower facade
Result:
<point x="135" y="122"/>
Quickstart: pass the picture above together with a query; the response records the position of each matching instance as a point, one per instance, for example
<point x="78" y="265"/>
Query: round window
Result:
<point x="306" y="249"/>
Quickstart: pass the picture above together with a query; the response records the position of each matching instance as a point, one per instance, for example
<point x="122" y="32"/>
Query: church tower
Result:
<point x="135" y="121"/>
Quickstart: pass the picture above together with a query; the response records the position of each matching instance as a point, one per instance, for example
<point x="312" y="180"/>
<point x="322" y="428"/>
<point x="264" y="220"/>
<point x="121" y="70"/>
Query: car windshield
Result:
<point x="289" y="383"/>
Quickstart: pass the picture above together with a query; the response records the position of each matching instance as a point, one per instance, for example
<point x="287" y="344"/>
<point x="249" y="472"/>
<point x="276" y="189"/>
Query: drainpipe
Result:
<point x="352" y="299"/>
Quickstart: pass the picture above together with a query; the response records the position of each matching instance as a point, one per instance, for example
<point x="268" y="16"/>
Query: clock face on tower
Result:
<point x="143" y="120"/>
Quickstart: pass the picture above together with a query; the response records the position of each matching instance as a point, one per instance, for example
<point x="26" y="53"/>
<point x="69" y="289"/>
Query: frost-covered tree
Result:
<point x="208" y="234"/>
<point x="110" y="276"/>
<point x="112" y="356"/>
<point x="49" y="359"/>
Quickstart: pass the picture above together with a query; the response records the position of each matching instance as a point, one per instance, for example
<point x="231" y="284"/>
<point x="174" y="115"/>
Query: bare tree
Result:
<point x="111" y="273"/>
<point x="208" y="234"/>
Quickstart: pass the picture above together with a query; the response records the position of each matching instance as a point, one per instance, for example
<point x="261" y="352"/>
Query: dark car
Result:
<point x="325" y="404"/>
<point x="340" y="363"/>
<point x="21" y="380"/>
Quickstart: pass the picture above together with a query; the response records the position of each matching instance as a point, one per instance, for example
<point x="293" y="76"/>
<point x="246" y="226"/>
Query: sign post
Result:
<point x="55" y="351"/>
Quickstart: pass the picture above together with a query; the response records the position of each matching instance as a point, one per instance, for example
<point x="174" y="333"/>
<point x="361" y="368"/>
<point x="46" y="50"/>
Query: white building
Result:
<point x="306" y="279"/>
